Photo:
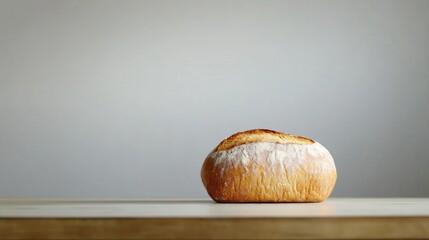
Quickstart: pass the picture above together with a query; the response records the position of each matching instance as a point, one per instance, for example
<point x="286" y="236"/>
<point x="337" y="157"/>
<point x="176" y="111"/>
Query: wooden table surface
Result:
<point x="358" y="218"/>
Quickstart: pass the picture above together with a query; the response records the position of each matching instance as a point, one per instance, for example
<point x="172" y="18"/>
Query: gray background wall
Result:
<point x="126" y="98"/>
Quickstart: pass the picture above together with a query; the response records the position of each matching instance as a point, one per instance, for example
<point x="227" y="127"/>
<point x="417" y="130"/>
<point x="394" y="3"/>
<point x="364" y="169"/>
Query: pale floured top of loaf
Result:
<point x="261" y="135"/>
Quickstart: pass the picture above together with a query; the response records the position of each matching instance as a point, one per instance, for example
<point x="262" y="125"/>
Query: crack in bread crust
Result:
<point x="261" y="135"/>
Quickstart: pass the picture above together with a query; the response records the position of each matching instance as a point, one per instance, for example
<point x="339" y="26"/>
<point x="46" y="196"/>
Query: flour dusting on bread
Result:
<point x="278" y="157"/>
<point x="267" y="166"/>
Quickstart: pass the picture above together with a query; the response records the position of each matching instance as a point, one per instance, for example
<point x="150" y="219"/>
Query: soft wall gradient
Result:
<point x="124" y="99"/>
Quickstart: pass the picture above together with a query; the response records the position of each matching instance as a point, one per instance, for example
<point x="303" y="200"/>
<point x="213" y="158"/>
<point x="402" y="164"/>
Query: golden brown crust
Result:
<point x="234" y="184"/>
<point x="267" y="166"/>
<point x="261" y="135"/>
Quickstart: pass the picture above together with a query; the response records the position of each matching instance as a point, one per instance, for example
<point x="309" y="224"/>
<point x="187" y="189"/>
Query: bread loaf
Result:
<point x="267" y="166"/>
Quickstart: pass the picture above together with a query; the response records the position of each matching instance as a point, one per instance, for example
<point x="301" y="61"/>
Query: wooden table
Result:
<point x="203" y="219"/>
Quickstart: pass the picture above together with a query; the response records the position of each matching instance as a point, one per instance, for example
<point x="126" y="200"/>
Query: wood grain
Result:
<point x="255" y="228"/>
<point x="172" y="219"/>
<point x="337" y="207"/>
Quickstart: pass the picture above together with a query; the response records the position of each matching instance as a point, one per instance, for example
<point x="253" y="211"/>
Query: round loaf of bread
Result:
<point x="267" y="166"/>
